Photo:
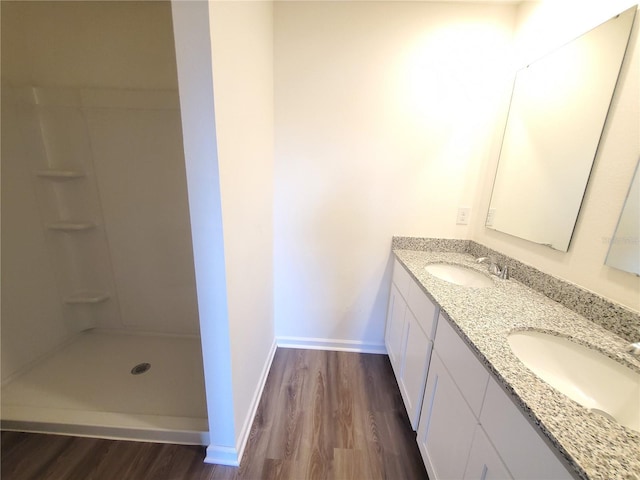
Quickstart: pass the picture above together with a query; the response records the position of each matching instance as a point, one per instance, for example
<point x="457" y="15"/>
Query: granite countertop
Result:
<point x="596" y="447"/>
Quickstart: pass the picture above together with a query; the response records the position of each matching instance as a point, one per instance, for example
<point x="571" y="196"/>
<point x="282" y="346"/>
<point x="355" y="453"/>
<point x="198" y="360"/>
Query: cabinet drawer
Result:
<point x="465" y="369"/>
<point x="523" y="451"/>
<point x="401" y="278"/>
<point x="425" y="311"/>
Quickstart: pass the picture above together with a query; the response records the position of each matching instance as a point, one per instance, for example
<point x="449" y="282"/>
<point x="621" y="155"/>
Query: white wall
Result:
<point x="242" y="52"/>
<point x="225" y="51"/>
<point x="126" y="37"/>
<point x="542" y="26"/>
<point x="193" y="55"/>
<point x="382" y="115"/>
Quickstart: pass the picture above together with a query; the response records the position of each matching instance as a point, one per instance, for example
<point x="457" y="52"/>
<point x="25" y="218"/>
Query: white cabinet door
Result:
<point x="484" y="462"/>
<point x="446" y="425"/>
<point x="417" y="353"/>
<point x="521" y="447"/>
<point x="408" y="343"/>
<point x="395" y="328"/>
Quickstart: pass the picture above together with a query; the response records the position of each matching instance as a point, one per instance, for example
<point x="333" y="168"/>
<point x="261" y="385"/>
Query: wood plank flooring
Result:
<point x="323" y="415"/>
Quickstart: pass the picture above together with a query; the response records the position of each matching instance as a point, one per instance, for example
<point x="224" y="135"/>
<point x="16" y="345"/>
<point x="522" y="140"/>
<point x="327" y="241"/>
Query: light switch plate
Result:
<point x="463" y="216"/>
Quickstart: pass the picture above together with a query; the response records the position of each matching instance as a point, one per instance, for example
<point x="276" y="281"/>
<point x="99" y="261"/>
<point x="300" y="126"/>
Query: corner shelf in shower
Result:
<point x="71" y="226"/>
<point x="87" y="298"/>
<point x="54" y="174"/>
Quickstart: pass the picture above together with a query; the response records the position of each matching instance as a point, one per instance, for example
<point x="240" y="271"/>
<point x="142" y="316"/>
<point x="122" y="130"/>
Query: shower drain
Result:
<point x="140" y="368"/>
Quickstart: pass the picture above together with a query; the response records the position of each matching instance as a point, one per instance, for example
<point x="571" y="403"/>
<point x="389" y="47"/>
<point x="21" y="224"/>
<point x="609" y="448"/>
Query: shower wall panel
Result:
<point x="137" y="149"/>
<point x="32" y="315"/>
<point x="56" y="151"/>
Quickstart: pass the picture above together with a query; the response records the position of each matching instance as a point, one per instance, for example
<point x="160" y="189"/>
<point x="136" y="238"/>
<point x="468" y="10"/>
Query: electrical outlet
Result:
<point x="490" y="217"/>
<point x="463" y="216"/>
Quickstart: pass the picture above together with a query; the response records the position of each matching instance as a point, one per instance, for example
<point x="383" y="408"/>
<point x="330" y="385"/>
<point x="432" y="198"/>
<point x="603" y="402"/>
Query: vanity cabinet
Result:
<point x="469" y="428"/>
<point x="411" y="322"/>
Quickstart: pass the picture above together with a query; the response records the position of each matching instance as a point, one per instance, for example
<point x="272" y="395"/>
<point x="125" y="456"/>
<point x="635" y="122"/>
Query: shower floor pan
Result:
<point x="96" y="386"/>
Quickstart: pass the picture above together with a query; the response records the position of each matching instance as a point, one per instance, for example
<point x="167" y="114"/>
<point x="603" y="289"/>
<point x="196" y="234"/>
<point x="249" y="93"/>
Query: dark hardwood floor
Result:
<point x="323" y="415"/>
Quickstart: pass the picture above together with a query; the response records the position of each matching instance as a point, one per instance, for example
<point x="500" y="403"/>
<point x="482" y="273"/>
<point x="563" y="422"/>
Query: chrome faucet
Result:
<point x="634" y="349"/>
<point x="494" y="268"/>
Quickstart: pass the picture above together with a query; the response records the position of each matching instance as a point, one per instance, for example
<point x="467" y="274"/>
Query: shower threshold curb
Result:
<point x="117" y="426"/>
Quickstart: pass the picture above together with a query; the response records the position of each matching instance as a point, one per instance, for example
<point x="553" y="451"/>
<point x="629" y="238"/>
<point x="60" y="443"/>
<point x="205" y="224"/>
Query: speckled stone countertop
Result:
<point x="594" y="446"/>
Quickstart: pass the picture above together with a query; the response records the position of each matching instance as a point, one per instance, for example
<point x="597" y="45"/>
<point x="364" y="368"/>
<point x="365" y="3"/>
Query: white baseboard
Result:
<point x="222" y="456"/>
<point x="331" y="344"/>
<point x="255" y="401"/>
<point x="232" y="456"/>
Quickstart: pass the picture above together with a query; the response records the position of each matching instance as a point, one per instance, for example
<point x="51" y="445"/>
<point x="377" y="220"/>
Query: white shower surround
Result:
<point x="119" y="257"/>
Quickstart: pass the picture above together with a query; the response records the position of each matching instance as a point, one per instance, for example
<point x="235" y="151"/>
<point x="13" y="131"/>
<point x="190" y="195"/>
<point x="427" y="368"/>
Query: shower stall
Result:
<point x="100" y="333"/>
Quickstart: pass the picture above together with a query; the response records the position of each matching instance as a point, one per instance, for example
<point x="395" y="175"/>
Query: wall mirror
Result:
<point x="558" y="108"/>
<point x="624" y="249"/>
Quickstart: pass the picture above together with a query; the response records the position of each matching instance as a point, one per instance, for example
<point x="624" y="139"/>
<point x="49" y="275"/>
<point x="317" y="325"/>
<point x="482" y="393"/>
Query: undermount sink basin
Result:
<point x="459" y="275"/>
<point x="585" y="375"/>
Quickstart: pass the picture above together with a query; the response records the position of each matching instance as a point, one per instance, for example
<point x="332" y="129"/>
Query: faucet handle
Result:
<point x="504" y="273"/>
<point x="494" y="269"/>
